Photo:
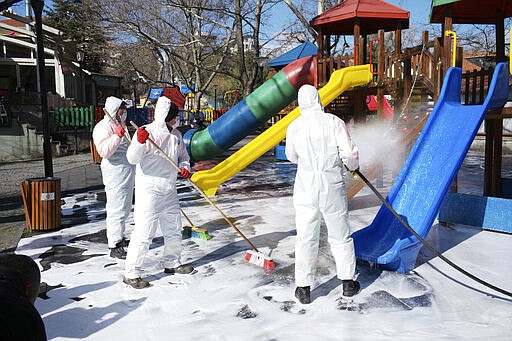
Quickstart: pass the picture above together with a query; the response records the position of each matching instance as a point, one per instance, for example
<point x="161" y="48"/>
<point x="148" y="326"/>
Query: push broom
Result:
<point x="193" y="231"/>
<point x="253" y="256"/>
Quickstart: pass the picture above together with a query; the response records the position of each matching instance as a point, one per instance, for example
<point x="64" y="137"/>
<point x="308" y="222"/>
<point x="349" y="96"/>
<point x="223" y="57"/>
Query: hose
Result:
<point x="424" y="242"/>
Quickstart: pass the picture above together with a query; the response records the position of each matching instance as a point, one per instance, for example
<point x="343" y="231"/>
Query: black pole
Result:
<point x="37" y="6"/>
<point x="215" y="98"/>
<point x="135" y="94"/>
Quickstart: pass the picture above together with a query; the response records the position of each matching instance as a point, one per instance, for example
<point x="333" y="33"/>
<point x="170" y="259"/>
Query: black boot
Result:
<point x="137" y="283"/>
<point x="303" y="294"/>
<point x="119" y="251"/>
<point x="124" y="243"/>
<point x="182" y="269"/>
<point x="350" y="287"/>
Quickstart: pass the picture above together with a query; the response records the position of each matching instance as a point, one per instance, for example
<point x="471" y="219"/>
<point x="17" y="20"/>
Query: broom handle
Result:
<point x="186" y="217"/>
<point x="24" y="185"/>
<point x="126" y="135"/>
<point x="199" y="190"/>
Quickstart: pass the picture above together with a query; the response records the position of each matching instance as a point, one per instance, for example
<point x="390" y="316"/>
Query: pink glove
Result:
<point x="185" y="173"/>
<point x="142" y="135"/>
<point x="119" y="130"/>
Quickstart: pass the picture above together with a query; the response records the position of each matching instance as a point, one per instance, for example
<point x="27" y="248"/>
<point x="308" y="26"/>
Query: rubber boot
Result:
<point x="303" y="294"/>
<point x="350" y="287"/>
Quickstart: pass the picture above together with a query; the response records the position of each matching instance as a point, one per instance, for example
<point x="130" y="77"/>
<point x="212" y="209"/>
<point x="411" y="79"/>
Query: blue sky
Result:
<point x="419" y="9"/>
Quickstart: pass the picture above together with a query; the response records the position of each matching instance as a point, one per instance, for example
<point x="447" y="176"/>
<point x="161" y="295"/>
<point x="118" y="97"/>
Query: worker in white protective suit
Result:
<point x="174" y="111"/>
<point x="156" y="197"/>
<point x="110" y="138"/>
<point x="320" y="144"/>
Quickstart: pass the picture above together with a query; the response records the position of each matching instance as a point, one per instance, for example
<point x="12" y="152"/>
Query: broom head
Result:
<point x="259" y="259"/>
<point x="195" y="232"/>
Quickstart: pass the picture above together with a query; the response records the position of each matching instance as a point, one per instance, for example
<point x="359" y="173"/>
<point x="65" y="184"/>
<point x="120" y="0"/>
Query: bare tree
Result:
<point x="188" y="41"/>
<point x="306" y="10"/>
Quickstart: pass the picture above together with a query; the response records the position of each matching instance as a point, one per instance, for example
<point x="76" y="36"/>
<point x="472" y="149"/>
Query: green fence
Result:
<point x="80" y="118"/>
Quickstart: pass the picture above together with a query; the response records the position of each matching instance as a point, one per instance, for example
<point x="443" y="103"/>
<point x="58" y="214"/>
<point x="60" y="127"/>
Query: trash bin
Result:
<point x="96" y="158"/>
<point x="41" y="200"/>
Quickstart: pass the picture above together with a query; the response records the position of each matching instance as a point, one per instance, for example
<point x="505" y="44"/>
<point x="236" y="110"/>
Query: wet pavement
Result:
<point x="77" y="173"/>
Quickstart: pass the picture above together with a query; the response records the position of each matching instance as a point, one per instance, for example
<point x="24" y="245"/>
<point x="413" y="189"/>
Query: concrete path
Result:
<point x="77" y="173"/>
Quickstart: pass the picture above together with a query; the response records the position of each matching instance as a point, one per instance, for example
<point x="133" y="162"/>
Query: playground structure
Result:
<point x="341" y="80"/>
<point x="427" y="174"/>
<point x="427" y="67"/>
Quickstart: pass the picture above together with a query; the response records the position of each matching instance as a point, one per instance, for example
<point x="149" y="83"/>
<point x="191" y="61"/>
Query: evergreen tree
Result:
<point x="79" y="24"/>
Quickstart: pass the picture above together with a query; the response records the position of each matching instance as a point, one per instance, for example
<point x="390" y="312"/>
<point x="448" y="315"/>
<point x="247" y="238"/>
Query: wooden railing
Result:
<point x="420" y="63"/>
<point x="401" y="68"/>
<point x="327" y="65"/>
<point x="475" y="85"/>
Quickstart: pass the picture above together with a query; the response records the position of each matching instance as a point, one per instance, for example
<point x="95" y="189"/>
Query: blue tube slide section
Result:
<point x="427" y="174"/>
<point x="254" y="110"/>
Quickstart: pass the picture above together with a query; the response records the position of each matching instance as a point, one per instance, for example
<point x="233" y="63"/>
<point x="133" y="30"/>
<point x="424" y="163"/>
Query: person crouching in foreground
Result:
<point x="156" y="197"/>
<point x="320" y="144"/>
<point x="20" y="279"/>
<point x="118" y="175"/>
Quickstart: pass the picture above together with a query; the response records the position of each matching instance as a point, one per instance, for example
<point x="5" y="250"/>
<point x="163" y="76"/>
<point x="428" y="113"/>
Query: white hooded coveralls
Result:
<point x="319" y="143"/>
<point x="117" y="173"/>
<point x="156" y="197"/>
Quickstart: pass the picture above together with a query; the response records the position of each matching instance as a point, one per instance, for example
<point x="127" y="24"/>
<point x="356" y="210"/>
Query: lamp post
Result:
<point x="261" y="63"/>
<point x="80" y="55"/>
<point x="134" y="80"/>
<point x="37" y="6"/>
<point x="215" y="97"/>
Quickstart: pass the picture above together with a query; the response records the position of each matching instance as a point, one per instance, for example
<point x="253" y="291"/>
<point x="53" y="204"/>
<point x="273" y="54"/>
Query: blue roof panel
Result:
<point x="305" y="49"/>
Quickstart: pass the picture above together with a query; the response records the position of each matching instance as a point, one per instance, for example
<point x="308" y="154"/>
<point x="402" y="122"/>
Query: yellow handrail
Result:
<point x="454" y="47"/>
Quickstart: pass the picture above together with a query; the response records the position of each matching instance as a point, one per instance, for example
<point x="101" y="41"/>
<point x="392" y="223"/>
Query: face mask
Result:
<point x="123" y="116"/>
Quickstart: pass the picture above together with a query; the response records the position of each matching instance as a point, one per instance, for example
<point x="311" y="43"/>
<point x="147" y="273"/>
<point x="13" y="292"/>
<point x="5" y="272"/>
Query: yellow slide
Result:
<point x="340" y="81"/>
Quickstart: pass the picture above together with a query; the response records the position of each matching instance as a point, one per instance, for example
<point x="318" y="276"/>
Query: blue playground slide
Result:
<point x="427" y="174"/>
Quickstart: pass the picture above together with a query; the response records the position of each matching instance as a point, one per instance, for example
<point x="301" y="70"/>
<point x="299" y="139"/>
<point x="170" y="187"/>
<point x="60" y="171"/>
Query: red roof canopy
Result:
<point x="373" y="15"/>
<point x="470" y="11"/>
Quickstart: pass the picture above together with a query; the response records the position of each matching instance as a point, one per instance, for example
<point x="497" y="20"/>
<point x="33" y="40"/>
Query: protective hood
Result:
<point x="112" y="104"/>
<point x="163" y="104"/>
<point x="309" y="101"/>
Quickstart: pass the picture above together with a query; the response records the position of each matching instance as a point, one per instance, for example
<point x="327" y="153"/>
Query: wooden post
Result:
<point x="364" y="47"/>
<point x="380" y="77"/>
<point x="424" y="42"/>
<point x="438" y="79"/>
<point x="398" y="42"/>
<point x="494" y="127"/>
<point x="320" y="58"/>
<point x="407" y="74"/>
<point x="424" y="67"/>
<point x="357" y="33"/>
<point x="493" y="150"/>
<point x="500" y="37"/>
<point x="460" y="56"/>
<point x="447" y="50"/>
<point x="359" y="98"/>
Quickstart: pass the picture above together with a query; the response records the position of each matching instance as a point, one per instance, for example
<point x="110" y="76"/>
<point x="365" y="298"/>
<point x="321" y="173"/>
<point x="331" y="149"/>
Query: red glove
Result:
<point x="185" y="173"/>
<point x="142" y="135"/>
<point x="118" y="130"/>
